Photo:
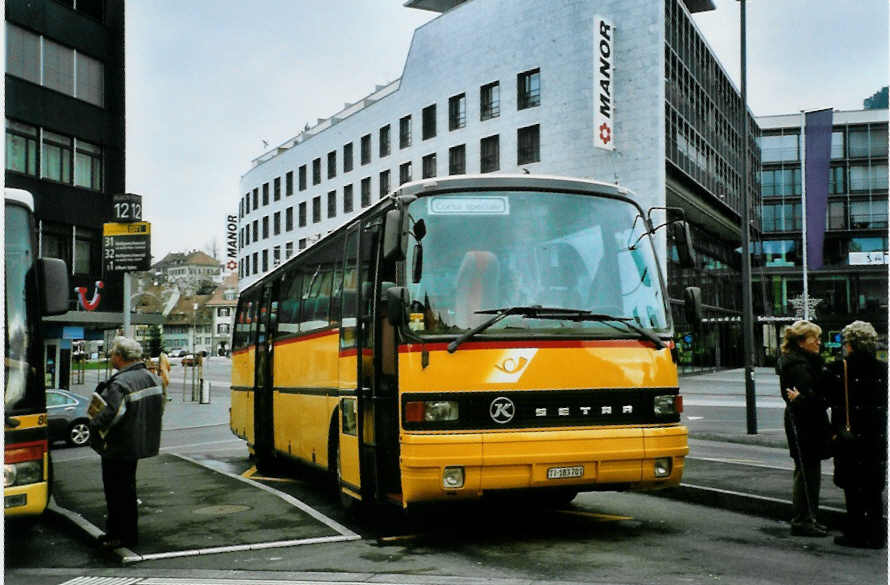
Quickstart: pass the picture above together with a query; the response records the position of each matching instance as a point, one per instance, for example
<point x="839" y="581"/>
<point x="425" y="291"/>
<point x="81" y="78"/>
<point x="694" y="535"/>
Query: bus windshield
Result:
<point x="496" y="250"/>
<point x="21" y="373"/>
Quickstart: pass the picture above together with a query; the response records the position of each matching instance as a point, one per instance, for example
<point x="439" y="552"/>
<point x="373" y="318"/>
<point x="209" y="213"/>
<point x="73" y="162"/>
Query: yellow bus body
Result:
<point x="514" y="459"/>
<point x="29" y="499"/>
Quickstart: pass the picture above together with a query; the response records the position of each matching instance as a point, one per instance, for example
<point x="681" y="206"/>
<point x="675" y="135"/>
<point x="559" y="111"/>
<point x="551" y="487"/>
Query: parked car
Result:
<point x="67" y="417"/>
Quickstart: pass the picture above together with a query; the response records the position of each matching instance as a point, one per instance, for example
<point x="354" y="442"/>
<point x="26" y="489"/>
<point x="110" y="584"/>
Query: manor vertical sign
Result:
<point x="232" y="242"/>
<point x="603" y="83"/>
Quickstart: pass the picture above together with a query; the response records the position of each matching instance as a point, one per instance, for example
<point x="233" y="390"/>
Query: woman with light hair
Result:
<point x="801" y="383"/>
<point x="858" y="391"/>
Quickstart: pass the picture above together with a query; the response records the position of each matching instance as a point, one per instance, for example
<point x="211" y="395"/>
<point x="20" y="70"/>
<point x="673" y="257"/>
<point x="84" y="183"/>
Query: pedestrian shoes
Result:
<point x="808" y="530"/>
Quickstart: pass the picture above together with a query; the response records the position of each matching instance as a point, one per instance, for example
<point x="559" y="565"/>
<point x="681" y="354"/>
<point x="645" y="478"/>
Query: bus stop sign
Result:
<point x="126" y="247"/>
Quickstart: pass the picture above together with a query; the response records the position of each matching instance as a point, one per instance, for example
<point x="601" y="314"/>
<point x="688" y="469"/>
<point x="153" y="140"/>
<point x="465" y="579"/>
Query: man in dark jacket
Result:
<point x="859" y="415"/>
<point x="126" y="426"/>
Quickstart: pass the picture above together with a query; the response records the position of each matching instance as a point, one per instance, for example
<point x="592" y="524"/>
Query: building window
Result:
<point x="302" y="214"/>
<point x="265" y="193"/>
<point x="868" y="214"/>
<point x="256" y="230"/>
<point x="302" y="243"/>
<point x="366" y="191"/>
<point x="366" y="149"/>
<point x="266" y="227"/>
<point x="332" y="204"/>
<point x="90" y="80"/>
<point x="404" y="173"/>
<point x="528" y="89"/>
<point x="302" y="177"/>
<point x="868" y="178"/>
<point x="783" y="217"/>
<point x="489" y="154"/>
<point x="288" y="249"/>
<point x="384" y="141"/>
<point x="276" y="223"/>
<point x="289" y="219"/>
<point x="780" y="182"/>
<point x="332" y="164"/>
<point x="429" y="166"/>
<point x="88" y="165"/>
<point x="457" y="111"/>
<point x="347" y="199"/>
<point x="837" y="215"/>
<point x="405" y="132"/>
<point x="837" y="145"/>
<point x="457" y="160"/>
<point x="22" y="53"/>
<point x="429" y="121"/>
<point x="58" y="67"/>
<point x="384" y="184"/>
<point x="265" y="260"/>
<point x="83" y="249"/>
<point x="778" y="148"/>
<point x="316" y="171"/>
<point x="276" y="255"/>
<point x="868" y="141"/>
<point x="247" y="203"/>
<point x="289" y="183"/>
<point x="490" y="101"/>
<point x="316" y="209"/>
<point x="21" y="148"/>
<point x="529" y="145"/>
<point x="56" y="157"/>
<point x="347" y="157"/>
<point x="256" y="263"/>
<point x="837" y="184"/>
<point x="256" y="198"/>
<point x="276" y="189"/>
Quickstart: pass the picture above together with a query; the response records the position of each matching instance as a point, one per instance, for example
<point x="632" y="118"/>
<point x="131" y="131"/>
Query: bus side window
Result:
<point x="290" y="303"/>
<point x="349" y="293"/>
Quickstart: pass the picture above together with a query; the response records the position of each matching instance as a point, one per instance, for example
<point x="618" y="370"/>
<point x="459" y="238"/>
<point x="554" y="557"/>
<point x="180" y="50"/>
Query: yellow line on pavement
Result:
<point x="597" y="517"/>
<point x="397" y="538"/>
<point x="249" y="473"/>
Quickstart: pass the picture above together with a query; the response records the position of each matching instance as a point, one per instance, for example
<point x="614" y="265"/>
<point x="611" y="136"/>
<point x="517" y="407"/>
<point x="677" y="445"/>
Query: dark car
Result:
<point x="67" y="416"/>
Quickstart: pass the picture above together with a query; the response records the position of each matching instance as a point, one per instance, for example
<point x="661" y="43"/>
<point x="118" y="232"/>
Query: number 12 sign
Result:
<point x="127" y="207"/>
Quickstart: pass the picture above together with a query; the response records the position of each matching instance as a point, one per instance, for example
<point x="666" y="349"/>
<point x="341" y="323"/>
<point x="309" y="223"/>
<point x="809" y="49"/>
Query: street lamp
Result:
<point x="747" y="308"/>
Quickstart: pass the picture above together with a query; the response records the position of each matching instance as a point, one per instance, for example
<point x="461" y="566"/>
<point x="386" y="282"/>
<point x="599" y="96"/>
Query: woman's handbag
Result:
<point x="845" y="440"/>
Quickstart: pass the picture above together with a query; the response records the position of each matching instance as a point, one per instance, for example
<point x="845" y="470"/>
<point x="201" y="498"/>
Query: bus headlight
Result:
<point x="453" y="478"/>
<point x="431" y="411"/>
<point x="668" y="404"/>
<point x="663" y="466"/>
<point x="22" y="473"/>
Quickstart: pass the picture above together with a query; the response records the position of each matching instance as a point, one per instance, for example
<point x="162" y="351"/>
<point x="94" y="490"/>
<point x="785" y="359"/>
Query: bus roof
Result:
<point x="19" y="197"/>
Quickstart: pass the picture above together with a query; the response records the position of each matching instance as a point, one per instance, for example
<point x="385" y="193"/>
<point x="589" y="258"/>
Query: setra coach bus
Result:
<point x="468" y="335"/>
<point x="34" y="288"/>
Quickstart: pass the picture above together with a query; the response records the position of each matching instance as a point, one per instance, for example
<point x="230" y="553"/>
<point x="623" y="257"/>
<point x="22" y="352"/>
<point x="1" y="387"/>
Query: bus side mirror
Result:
<point x="683" y="240"/>
<point x="52" y="274"/>
<point x="693" y="306"/>
<point x="393" y="242"/>
<point x="396" y="297"/>
<point x="417" y="264"/>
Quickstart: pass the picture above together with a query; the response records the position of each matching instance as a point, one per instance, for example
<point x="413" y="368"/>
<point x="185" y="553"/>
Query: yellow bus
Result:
<point x="34" y="287"/>
<point x="469" y="335"/>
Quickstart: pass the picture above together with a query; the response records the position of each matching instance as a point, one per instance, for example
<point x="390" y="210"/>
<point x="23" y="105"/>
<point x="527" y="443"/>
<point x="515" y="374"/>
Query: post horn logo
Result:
<point x="511" y="366"/>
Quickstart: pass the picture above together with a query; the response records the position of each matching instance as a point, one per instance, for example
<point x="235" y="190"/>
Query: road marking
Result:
<point x="595" y="516"/>
<point x="249" y="473"/>
<point x="399" y="538"/>
<point x="695" y="417"/>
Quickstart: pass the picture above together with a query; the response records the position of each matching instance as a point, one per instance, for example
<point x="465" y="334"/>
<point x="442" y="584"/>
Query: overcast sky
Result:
<point x="209" y="80"/>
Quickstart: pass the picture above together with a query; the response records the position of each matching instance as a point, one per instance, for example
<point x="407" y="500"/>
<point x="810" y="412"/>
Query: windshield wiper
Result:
<point x="539" y="312"/>
<point x="583" y="315"/>
<point x="497" y="315"/>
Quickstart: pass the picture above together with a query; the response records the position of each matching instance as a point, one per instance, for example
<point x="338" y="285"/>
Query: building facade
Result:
<point x="65" y="139"/>
<point x="223" y="304"/>
<point x="852" y="282"/>
<point x="515" y="86"/>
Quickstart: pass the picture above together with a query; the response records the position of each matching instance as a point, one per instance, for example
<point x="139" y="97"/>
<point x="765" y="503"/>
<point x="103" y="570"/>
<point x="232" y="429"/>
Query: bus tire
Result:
<point x="558" y="498"/>
<point x="347" y="503"/>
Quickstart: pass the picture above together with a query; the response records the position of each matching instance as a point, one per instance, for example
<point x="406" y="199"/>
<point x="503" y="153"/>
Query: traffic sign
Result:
<point x="126" y="247"/>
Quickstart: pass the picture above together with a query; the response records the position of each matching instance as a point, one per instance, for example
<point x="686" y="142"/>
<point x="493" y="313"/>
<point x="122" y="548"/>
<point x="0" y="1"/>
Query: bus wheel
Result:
<point x="348" y="503"/>
<point x="558" y="498"/>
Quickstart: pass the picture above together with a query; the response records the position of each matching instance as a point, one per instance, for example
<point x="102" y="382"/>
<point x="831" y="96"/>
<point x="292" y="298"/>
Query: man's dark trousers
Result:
<point x="119" y="480"/>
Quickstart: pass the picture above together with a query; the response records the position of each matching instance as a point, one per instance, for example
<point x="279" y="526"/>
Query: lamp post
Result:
<point x="747" y="308"/>
<point x="194" y="327"/>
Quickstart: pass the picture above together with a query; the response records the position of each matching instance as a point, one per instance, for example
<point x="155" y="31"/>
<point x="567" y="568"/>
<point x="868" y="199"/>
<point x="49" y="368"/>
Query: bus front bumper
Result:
<point x="615" y="458"/>
<point x="25" y="500"/>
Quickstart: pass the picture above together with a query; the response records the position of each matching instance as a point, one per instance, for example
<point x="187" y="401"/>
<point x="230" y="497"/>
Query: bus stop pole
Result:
<point x="127" y="286"/>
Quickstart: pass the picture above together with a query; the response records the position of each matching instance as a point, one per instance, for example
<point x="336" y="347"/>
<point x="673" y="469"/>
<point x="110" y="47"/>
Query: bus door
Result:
<point x="350" y="372"/>
<point x="264" y="430"/>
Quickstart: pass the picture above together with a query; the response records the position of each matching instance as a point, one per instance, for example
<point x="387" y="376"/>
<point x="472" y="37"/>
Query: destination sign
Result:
<point x="126" y="247"/>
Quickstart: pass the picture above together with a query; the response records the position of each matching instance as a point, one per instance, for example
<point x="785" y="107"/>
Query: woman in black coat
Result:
<point x="860" y="460"/>
<point x="801" y="382"/>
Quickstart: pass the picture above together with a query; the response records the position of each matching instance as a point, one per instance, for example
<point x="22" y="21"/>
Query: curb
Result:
<point x="763" y="506"/>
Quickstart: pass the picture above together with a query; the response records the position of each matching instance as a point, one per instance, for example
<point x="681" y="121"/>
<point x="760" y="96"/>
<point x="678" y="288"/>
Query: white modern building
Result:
<point x="624" y="91"/>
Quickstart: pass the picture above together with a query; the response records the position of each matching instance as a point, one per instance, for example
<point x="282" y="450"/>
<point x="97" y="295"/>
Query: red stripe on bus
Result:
<point x="417" y="347"/>
<point x="315" y="335"/>
<point x="354" y="352"/>
<point x="242" y="350"/>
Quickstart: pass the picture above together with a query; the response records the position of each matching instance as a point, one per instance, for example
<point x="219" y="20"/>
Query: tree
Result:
<point x="154" y="341"/>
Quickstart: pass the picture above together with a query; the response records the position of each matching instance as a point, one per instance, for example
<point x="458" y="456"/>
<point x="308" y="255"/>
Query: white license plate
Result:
<point x="565" y="472"/>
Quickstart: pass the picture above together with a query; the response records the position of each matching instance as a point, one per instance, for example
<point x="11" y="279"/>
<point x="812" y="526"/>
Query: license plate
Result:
<point x="565" y="472"/>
